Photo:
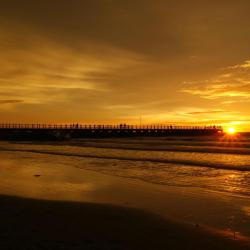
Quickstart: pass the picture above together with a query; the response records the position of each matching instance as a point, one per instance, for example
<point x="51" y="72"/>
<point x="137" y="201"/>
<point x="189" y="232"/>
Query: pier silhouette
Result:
<point x="67" y="131"/>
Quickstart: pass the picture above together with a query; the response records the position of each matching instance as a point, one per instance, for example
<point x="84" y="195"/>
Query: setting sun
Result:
<point x="231" y="130"/>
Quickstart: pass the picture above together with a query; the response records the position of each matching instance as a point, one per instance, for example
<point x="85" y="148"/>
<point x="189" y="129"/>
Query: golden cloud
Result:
<point x="233" y="84"/>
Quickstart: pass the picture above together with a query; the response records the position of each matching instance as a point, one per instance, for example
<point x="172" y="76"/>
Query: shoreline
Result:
<point x="56" y="180"/>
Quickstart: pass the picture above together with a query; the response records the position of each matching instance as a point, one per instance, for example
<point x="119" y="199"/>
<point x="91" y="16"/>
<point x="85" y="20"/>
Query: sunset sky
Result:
<point x="112" y="61"/>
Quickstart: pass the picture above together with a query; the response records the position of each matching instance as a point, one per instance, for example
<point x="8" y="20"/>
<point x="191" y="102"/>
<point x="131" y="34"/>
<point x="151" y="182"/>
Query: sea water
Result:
<point x="214" y="164"/>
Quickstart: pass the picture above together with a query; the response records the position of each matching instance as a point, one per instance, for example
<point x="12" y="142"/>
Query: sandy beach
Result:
<point x="61" y="206"/>
<point x="42" y="224"/>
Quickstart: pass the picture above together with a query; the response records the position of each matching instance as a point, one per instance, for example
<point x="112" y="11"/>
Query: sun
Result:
<point x="231" y="131"/>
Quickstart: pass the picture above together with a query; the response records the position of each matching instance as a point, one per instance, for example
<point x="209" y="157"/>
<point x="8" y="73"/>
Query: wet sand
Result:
<point x="64" y="207"/>
<point x="40" y="224"/>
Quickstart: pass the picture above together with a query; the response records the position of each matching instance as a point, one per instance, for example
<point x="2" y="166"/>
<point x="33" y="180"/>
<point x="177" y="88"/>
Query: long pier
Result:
<point x="67" y="131"/>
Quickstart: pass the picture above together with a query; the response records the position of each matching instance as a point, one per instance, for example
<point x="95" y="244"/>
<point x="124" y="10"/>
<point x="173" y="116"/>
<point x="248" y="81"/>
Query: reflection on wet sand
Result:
<point x="246" y="209"/>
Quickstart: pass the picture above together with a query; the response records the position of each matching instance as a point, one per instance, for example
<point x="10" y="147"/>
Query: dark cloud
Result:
<point x="156" y="28"/>
<point x="124" y="24"/>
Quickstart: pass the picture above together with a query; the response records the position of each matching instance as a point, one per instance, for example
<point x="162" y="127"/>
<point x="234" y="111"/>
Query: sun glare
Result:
<point x="231" y="131"/>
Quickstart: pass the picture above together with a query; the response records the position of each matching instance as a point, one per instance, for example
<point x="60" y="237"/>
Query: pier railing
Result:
<point x="104" y="127"/>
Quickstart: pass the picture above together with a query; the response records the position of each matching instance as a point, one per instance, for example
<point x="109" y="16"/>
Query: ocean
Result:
<point x="208" y="163"/>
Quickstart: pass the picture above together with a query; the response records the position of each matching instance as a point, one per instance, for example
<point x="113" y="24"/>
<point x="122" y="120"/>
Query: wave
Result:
<point x="172" y="148"/>
<point x="148" y="146"/>
<point x="215" y="165"/>
<point x="234" y="144"/>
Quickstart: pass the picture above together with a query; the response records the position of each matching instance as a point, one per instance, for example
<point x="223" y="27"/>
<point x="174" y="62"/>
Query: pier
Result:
<point x="68" y="131"/>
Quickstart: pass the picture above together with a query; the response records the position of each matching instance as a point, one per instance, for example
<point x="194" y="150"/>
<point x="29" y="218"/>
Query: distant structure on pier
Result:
<point x="61" y="132"/>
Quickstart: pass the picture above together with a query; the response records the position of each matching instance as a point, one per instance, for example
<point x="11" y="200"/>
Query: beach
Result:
<point x="74" y="196"/>
<point x="42" y="224"/>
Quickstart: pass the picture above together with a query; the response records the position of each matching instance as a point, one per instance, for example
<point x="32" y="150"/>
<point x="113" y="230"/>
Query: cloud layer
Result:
<point x="233" y="83"/>
<point x="109" y="61"/>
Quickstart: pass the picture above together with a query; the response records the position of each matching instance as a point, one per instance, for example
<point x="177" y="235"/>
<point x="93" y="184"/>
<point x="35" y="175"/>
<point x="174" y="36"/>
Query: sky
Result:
<point x="112" y="61"/>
